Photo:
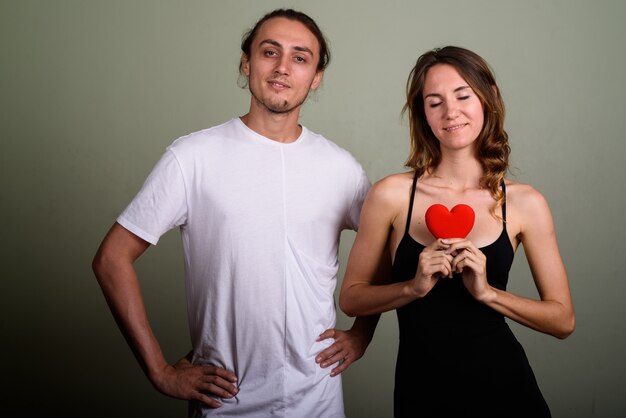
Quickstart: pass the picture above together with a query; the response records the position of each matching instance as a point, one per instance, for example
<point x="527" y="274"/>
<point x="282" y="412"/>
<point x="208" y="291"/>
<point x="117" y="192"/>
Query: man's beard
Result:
<point x="282" y="108"/>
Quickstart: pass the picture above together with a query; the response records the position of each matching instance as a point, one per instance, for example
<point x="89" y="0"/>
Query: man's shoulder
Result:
<point x="331" y="148"/>
<point x="204" y="137"/>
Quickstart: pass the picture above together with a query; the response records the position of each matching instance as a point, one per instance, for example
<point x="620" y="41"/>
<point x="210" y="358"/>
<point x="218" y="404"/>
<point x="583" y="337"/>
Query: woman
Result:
<point x="457" y="356"/>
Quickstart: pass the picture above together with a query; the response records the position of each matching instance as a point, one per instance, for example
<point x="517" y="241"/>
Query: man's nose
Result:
<point x="283" y="65"/>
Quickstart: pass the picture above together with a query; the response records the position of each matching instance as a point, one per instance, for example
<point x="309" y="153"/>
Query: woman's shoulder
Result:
<point x="523" y="195"/>
<point x="392" y="190"/>
<point x="394" y="183"/>
<point x="527" y="206"/>
<point x="387" y="199"/>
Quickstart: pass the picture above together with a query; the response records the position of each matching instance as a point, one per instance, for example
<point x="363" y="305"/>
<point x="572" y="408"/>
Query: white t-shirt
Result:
<point x="260" y="224"/>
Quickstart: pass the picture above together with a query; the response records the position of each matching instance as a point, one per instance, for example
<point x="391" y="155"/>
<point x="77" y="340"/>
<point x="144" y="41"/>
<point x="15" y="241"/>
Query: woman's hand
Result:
<point x="434" y="263"/>
<point x="472" y="264"/>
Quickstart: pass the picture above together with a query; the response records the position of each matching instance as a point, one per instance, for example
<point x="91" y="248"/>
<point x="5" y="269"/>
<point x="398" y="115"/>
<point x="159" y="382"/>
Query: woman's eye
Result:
<point x="464" y="97"/>
<point x="434" y="104"/>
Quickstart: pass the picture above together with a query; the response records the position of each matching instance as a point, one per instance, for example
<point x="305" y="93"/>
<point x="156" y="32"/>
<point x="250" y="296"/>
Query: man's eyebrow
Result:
<point x="456" y="90"/>
<point x="279" y="45"/>
<point x="271" y="42"/>
<point x="303" y="49"/>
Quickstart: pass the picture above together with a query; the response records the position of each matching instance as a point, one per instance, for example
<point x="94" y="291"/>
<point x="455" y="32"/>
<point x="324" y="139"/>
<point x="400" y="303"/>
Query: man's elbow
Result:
<point x="98" y="265"/>
<point x="101" y="264"/>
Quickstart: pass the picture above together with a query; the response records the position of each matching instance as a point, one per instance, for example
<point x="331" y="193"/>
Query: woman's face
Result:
<point x="453" y="111"/>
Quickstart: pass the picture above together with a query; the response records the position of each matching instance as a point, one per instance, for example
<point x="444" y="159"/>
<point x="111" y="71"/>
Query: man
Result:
<point x="260" y="202"/>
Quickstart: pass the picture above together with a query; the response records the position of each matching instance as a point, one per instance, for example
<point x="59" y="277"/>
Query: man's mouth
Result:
<point x="278" y="85"/>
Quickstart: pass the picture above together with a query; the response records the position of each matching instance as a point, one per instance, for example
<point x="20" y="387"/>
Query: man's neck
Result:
<point x="275" y="126"/>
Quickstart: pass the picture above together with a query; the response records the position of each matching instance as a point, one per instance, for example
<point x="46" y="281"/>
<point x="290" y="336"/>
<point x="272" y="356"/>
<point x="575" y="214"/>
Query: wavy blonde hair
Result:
<point x="492" y="144"/>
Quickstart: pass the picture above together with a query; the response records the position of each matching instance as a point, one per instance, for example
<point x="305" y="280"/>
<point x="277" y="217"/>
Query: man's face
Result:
<point x="282" y="66"/>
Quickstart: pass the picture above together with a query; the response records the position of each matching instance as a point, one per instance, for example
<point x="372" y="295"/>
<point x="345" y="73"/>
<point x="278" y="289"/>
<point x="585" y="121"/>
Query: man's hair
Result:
<point x="492" y="147"/>
<point x="290" y="14"/>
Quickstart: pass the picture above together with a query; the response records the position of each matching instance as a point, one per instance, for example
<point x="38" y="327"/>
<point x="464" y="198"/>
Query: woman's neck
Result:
<point x="457" y="172"/>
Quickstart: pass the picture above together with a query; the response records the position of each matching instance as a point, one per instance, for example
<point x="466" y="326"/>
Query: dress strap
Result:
<point x="503" y="203"/>
<point x="408" y="218"/>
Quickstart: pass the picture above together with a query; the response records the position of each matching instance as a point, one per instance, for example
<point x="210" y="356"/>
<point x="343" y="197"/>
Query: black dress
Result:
<point x="458" y="357"/>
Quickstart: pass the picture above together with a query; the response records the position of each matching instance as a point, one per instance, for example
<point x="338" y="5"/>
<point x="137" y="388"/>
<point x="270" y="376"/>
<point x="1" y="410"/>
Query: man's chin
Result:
<point x="278" y="108"/>
<point x="281" y="111"/>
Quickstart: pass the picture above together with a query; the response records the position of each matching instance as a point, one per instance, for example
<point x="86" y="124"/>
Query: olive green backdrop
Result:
<point x="91" y="92"/>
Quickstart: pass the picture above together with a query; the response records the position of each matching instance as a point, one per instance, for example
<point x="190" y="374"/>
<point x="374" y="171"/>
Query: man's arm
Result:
<point x="113" y="267"/>
<point x="349" y="346"/>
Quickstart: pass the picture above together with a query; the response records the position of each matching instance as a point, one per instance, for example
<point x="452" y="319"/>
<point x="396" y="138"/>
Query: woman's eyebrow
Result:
<point x="456" y="90"/>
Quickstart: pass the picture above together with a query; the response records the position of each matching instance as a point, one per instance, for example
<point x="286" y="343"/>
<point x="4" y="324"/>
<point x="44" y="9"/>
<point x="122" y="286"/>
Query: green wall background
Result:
<point x="91" y="92"/>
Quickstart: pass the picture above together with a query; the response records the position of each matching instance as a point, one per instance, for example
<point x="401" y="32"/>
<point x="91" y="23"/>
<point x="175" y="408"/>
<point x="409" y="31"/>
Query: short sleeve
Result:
<point x="161" y="203"/>
<point x="354" y="214"/>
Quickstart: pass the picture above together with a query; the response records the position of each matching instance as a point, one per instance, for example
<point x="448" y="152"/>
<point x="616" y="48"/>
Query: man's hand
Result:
<point x="349" y="346"/>
<point x="185" y="380"/>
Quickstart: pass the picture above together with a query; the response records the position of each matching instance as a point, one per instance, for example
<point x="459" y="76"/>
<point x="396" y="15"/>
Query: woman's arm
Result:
<point x="554" y="313"/>
<point x="366" y="289"/>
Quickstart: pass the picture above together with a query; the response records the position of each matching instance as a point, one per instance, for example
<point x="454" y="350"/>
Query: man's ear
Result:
<point x="317" y="80"/>
<point x="245" y="65"/>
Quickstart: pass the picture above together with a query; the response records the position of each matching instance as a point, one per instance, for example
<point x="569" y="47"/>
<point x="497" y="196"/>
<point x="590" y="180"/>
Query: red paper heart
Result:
<point x="456" y="223"/>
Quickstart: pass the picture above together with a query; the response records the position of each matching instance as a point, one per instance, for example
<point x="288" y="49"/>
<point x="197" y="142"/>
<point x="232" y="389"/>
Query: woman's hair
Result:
<point x="492" y="147"/>
<point x="248" y="37"/>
